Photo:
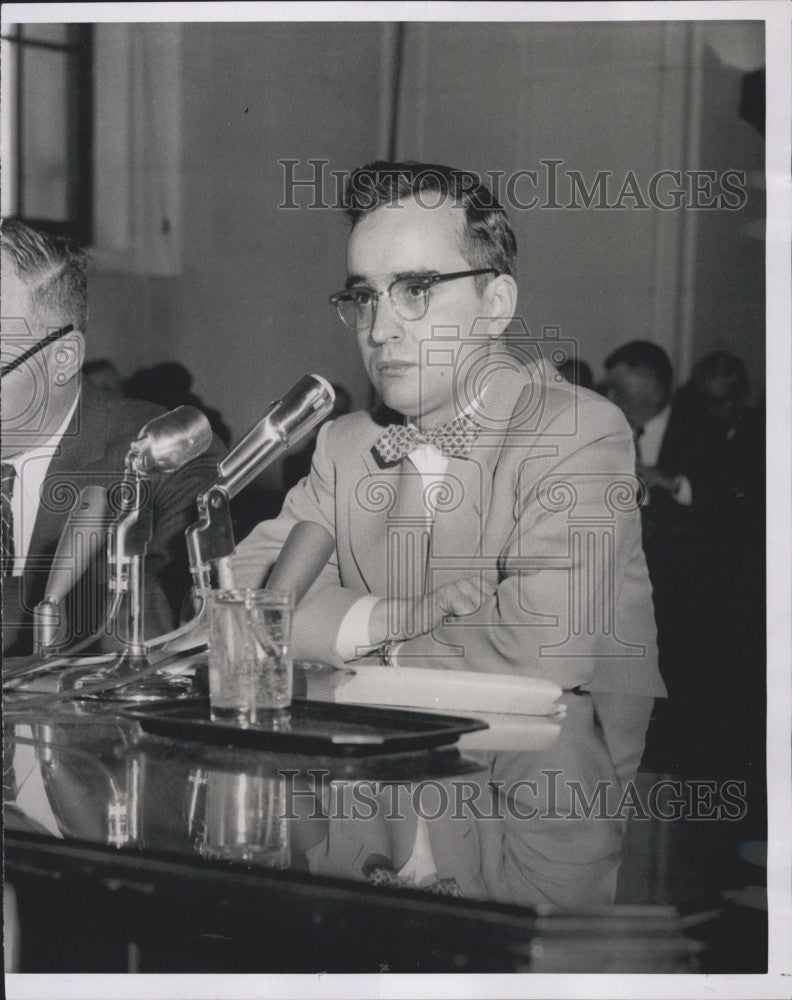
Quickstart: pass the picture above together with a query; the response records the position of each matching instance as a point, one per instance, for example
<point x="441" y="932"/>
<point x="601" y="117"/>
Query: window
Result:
<point x="47" y="127"/>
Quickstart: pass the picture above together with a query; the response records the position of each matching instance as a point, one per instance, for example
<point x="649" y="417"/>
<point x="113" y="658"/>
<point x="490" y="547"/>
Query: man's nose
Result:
<point x="387" y="323"/>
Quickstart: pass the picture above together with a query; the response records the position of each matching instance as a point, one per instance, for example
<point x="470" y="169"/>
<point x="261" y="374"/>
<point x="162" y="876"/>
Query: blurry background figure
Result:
<point x="720" y="382"/>
<point x="255" y="503"/>
<point x="638" y="380"/>
<point x="103" y="375"/>
<point x="170" y="385"/>
<point x="721" y="439"/>
<point x="700" y="453"/>
<point x="577" y="372"/>
<point x="297" y="465"/>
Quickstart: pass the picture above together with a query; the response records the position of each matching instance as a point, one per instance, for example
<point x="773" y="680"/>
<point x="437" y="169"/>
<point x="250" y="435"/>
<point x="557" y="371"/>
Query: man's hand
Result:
<point x="653" y="478"/>
<point x="392" y="618"/>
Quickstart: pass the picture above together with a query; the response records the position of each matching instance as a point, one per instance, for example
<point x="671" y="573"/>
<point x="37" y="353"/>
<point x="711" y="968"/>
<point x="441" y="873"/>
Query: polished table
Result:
<point x="131" y="851"/>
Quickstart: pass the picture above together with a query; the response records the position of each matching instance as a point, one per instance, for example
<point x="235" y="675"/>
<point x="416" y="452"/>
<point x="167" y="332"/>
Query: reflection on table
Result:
<point x="531" y="813"/>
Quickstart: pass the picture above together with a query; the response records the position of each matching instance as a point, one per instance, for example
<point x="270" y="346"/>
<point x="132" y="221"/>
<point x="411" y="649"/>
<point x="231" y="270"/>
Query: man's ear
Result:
<point x="500" y="302"/>
<point x="66" y="357"/>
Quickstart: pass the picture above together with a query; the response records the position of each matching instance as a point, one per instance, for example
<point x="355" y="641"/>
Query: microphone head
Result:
<point x="168" y="442"/>
<point x="329" y="391"/>
<point x="286" y="422"/>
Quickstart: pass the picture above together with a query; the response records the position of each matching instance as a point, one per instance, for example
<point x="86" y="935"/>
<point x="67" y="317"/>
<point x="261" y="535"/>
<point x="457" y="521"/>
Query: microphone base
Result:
<point x="160" y="687"/>
<point x="135" y="680"/>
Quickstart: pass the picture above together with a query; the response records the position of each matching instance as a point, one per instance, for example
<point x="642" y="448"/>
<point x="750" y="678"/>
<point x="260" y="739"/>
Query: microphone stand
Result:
<point x="126" y="551"/>
<point x="46" y="622"/>
<point x="210" y="541"/>
<point x="165" y="445"/>
<point x="210" y="545"/>
<point x="126" y="555"/>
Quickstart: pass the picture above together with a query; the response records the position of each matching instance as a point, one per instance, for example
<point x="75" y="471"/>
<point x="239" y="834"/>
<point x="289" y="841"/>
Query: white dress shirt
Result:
<point x="648" y="453"/>
<point x="651" y="441"/>
<point x="353" y="636"/>
<point x="31" y="471"/>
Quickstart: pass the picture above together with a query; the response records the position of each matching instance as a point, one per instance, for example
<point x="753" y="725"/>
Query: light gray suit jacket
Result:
<point x="546" y="505"/>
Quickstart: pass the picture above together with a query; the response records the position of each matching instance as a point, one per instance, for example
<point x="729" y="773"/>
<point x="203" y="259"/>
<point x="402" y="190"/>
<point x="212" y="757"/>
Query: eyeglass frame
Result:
<point x="428" y="280"/>
<point x="31" y="352"/>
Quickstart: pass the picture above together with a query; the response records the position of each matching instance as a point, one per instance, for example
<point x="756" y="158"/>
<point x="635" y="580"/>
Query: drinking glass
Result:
<point x="250" y="662"/>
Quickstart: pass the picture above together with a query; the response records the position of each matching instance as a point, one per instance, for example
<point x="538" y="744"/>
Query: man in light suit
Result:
<point x="485" y="517"/>
<point x="526" y="458"/>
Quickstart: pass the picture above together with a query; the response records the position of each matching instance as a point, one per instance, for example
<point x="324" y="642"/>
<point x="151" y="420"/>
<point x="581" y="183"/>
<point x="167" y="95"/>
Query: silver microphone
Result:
<point x="165" y="444"/>
<point x="168" y="442"/>
<point x="210" y="541"/>
<point x="287" y="420"/>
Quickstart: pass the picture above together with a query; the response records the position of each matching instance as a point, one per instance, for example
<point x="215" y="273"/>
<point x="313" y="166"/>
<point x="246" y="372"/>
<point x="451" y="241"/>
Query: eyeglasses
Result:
<point x="408" y="295"/>
<point x="34" y="350"/>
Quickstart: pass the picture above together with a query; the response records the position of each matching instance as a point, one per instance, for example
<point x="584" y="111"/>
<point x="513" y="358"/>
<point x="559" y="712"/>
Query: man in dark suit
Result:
<point x="59" y="436"/>
<point x="725" y="451"/>
<point x="721" y="439"/>
<point x="700" y="453"/>
<point x="638" y="381"/>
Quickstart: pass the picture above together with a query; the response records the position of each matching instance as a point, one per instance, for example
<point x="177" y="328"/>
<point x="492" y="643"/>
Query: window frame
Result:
<point x="78" y="48"/>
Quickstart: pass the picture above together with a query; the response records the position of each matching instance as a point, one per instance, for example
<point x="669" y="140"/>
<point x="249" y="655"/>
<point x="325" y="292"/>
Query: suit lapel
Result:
<point x="464" y="503"/>
<point x="82" y="446"/>
<point x="371" y="495"/>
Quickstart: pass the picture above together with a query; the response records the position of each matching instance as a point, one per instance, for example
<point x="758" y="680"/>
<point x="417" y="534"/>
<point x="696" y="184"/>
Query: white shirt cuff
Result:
<point x="421" y="863"/>
<point x="353" y="636"/>
<point x="684" y="491"/>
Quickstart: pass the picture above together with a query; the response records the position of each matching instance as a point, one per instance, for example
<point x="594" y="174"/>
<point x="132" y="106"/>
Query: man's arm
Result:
<point x="318" y="618"/>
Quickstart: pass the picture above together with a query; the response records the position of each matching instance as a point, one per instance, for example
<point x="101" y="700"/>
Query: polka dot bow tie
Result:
<point x="454" y="439"/>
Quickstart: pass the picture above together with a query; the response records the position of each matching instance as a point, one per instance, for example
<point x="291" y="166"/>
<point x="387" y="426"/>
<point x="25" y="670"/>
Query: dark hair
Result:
<point x="577" y="372"/>
<point x="54" y="269"/>
<point x="644" y="354"/>
<point x="488" y="240"/>
<point x="720" y="363"/>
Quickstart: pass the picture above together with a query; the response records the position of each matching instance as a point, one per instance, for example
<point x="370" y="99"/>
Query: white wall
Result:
<point x="637" y="97"/>
<point x="248" y="311"/>
<point x="729" y="263"/>
<point x="241" y="297"/>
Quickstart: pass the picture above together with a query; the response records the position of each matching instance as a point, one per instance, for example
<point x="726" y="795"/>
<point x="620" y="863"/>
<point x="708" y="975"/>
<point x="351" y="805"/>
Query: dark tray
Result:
<point x="314" y="727"/>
